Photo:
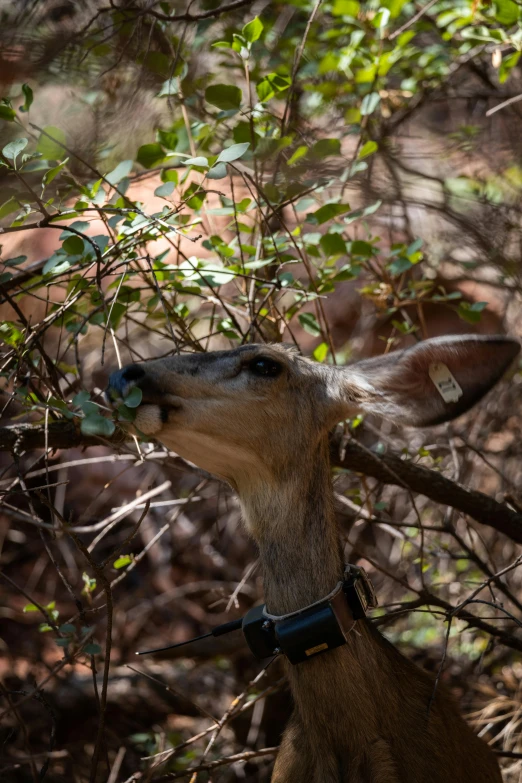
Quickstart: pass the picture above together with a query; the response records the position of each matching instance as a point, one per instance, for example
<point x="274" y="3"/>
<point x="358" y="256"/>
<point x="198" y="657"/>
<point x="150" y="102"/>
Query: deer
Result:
<point x="258" y="417"/>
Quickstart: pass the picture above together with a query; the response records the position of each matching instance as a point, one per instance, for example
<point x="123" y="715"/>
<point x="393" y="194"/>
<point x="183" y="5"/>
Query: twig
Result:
<point x="245" y="756"/>
<point x="477" y="505"/>
<point x="503" y="105"/>
<point x="117" y="764"/>
<point x="415" y="18"/>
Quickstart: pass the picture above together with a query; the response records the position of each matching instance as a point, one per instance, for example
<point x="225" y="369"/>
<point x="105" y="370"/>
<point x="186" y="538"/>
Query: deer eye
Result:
<point x="263" y="366"/>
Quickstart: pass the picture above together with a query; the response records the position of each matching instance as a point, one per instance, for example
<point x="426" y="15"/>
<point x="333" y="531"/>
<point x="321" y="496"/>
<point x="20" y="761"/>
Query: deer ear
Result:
<point x="432" y="382"/>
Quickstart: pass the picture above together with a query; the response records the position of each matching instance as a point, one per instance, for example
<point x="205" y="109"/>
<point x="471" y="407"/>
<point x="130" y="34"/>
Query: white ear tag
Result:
<point x="446" y="384"/>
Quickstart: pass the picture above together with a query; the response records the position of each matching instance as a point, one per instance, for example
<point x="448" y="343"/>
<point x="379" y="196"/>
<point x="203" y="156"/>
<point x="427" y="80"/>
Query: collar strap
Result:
<point x="316" y="628"/>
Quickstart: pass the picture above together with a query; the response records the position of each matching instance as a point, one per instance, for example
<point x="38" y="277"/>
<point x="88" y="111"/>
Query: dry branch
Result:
<point x="388" y="468"/>
<point x="245" y="756"/>
<point x="391" y="469"/>
<point x="18" y="438"/>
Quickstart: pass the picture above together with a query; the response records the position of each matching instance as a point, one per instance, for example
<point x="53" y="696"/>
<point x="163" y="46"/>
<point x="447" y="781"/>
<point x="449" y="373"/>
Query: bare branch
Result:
<point x="391" y="469"/>
<point x="388" y="468"/>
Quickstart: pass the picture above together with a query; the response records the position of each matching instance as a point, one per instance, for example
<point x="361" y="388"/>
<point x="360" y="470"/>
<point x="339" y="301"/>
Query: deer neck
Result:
<point x="358" y="689"/>
<point x="296" y="531"/>
<point x="293" y="522"/>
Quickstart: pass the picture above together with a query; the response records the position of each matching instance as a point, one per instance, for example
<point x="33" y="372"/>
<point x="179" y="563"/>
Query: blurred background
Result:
<point x="341" y="176"/>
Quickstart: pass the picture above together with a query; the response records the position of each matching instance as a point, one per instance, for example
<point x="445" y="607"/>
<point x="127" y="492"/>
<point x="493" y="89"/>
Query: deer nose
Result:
<point x="121" y="380"/>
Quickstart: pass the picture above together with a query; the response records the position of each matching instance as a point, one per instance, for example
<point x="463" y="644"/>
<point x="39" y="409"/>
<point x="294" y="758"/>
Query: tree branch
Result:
<point x="391" y="469"/>
<point x="18" y="438"/>
<point x="388" y="468"/>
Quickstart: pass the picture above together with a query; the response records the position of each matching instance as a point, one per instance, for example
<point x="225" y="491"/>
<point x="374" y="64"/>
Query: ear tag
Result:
<point x="446" y="384"/>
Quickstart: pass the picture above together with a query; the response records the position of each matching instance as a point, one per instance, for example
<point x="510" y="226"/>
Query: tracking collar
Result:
<point x="316" y="628"/>
<point x="309" y="631"/>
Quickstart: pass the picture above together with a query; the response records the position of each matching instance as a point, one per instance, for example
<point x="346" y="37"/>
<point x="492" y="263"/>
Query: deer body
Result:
<point x="259" y="418"/>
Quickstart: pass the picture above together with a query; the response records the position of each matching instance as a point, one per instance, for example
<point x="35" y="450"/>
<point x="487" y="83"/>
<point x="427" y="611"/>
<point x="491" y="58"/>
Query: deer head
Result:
<point x="251" y="414"/>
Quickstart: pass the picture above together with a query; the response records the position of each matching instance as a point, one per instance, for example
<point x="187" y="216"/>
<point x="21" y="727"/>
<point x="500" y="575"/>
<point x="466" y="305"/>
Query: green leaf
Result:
<point x="58" y="262"/>
<point x="67" y="628"/>
<point x="347" y="272"/>
<point x="14" y="148"/>
<point x="224" y="96"/>
<point x="271" y="85"/>
<point x="309" y="323"/>
<point x="134" y="397"/>
<point x="471" y="312"/>
<point x="506" y="12"/>
<point x="218" y="171"/>
<point x="122" y="561"/>
<point x="30" y="608"/>
<point x="92" y="649"/>
<point x="399" y="266"/>
<point x="8" y="207"/>
<point x="368" y="149"/>
<point x="324" y="147"/>
<point x="252" y="30"/>
<point x="53" y="173"/>
<point x="170" y="175"/>
<point x="369" y="103"/>
<point x="321" y="352"/>
<point x="507" y="65"/>
<point x="164" y="190"/>
<point x="298" y="154"/>
<point x="73" y="245"/>
<point x="150" y="155"/>
<point x="89" y="584"/>
<point x="332" y="244"/>
<point x="7" y="113"/>
<point x="51" y="148"/>
<point x="234" y="152"/>
<point x="381" y="19"/>
<point x="62" y="642"/>
<point x="28" y="95"/>
<point x="15" y="261"/>
<point x="78" y="225"/>
<point x="97" y="425"/>
<point x="328" y="212"/>
<point x="198" y="161"/>
<point x="122" y="170"/>
<point x="126" y="413"/>
<point x="345" y="8"/>
<point x="169" y="139"/>
<point x="360" y="248"/>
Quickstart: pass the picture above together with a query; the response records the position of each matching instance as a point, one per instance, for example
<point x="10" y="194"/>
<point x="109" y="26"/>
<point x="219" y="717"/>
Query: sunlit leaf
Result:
<point x="122" y="561"/>
<point x="51" y="141"/>
<point x="252" y="30"/>
<point x="14" y="148"/>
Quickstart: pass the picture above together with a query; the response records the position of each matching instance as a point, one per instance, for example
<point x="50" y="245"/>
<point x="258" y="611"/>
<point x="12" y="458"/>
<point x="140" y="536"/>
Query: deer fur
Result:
<point x="363" y="713"/>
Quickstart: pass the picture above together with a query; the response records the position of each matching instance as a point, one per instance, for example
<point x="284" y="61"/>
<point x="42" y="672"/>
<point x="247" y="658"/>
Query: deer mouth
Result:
<point x="155" y="405"/>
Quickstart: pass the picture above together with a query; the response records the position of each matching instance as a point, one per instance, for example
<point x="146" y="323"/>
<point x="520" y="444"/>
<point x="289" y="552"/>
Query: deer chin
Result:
<point x="150" y="419"/>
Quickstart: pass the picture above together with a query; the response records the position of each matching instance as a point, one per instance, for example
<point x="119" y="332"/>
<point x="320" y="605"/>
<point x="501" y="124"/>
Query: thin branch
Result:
<point x="388" y="468"/>
<point x="503" y="105"/>
<point x="245" y="756"/>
